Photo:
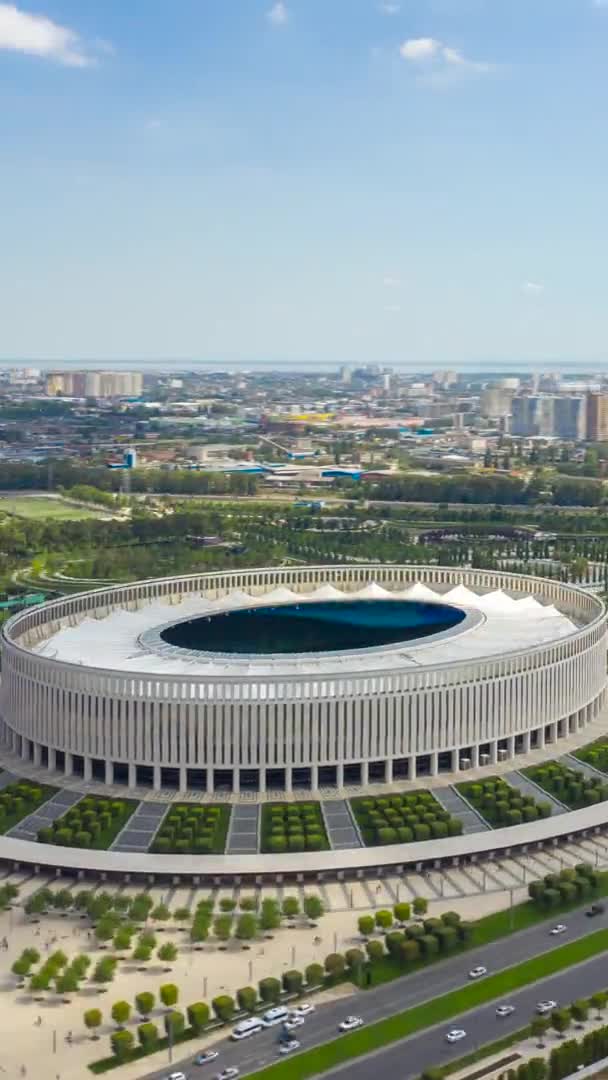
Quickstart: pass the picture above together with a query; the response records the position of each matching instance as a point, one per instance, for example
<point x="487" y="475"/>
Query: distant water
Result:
<point x="324" y="626"/>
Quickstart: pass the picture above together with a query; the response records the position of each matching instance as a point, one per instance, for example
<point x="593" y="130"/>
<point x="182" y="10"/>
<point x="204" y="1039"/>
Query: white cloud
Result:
<point x="441" y="57"/>
<point x="420" y="49"/>
<point x="38" y="36"/>
<point x="389" y="8"/>
<point x="533" y="288"/>
<point x="278" y="14"/>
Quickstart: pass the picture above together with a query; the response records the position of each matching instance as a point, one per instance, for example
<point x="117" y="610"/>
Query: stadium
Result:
<point x="305" y="679"/>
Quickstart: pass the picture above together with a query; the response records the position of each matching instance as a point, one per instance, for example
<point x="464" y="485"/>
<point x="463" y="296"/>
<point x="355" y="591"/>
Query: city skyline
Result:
<point x="303" y="183"/>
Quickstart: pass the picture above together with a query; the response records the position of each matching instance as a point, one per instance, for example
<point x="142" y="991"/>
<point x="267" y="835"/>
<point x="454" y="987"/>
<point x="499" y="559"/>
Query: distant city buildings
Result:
<point x="559" y="416"/>
<point x="94" y="384"/>
<point x="597" y="417"/>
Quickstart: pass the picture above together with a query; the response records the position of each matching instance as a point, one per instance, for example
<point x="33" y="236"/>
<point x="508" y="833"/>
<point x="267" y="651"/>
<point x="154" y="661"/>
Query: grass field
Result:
<point x="437" y="1010"/>
<point x="29" y="506"/>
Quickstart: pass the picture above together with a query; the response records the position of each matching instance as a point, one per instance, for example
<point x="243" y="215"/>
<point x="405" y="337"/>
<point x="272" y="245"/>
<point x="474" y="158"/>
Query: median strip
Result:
<point x="319" y="1059"/>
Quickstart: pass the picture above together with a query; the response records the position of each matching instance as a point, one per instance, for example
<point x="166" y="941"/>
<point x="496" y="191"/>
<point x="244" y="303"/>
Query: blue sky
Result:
<point x="421" y="182"/>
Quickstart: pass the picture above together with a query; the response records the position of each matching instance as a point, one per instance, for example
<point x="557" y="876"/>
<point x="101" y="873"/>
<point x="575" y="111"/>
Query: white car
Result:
<point x="293" y="1023"/>
<point x="545" y="1007"/>
<point x="227" y="1074"/>
<point x="505" y="1010"/>
<point x="476" y="973"/>
<point x="455" y="1035"/>
<point x="289" y="1047"/>
<point x="205" y="1056"/>
<point x="559" y="929"/>
<point x="303" y="1010"/>
<point x="350" y="1023"/>
<point x="177" y="1076"/>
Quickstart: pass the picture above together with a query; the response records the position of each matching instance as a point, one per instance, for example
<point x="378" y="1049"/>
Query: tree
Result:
<point x="104" y="970"/>
<point x="93" y="1020"/>
<point x="122" y="1044"/>
<point x="292" y="981"/>
<point x="183" y="914"/>
<point x="313" y="907"/>
<point x="560" y="1021"/>
<point x="580" y="1010"/>
<point x="145" y="1002"/>
<point x="374" y="949"/>
<point x="169" y="995"/>
<point x="291" y="907"/>
<point x="335" y="965"/>
<point x="539" y="1027"/>
<point x="142" y="953"/>
<point x="167" y="952"/>
<point x="247" y="998"/>
<point x="366" y="925"/>
<point x="21" y="967"/>
<point x="198" y="1016"/>
<point x="270" y="990"/>
<point x="175" y="1023"/>
<point x="420" y="905"/>
<point x="67" y="982"/>
<point x="247" y="926"/>
<point x="223" y="1007"/>
<point x="384" y="919"/>
<point x="314" y="975"/>
<point x="222" y="927"/>
<point x="598" y="1000"/>
<point x="122" y="938"/>
<point x="402" y="911"/>
<point x="148" y="1036"/>
<point x="121" y="1011"/>
<point x="270" y="916"/>
<point x="160" y="913"/>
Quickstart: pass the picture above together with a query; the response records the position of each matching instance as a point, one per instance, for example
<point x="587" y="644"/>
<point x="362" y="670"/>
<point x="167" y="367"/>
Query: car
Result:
<point x="205" y="1056"/>
<point x="350" y="1023"/>
<point x="595" y="909"/>
<point x="505" y="1010"/>
<point x="559" y="929"/>
<point x="293" y="1023"/>
<point x="477" y="972"/>
<point x="545" y="1007"/>
<point x="176" y="1076"/>
<point x="288" y="1046"/>
<point x="303" y="1010"/>
<point x="228" y="1074"/>
<point x="455" y="1035"/>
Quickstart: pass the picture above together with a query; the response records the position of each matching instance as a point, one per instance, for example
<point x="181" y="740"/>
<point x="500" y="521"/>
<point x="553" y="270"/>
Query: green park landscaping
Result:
<point x="570" y="786"/>
<point x="193" y="830"/>
<point x="293" y="827"/>
<point x="92" y="823"/>
<point x="502" y="805"/>
<point x="21" y="799"/>
<point x="402" y="819"/>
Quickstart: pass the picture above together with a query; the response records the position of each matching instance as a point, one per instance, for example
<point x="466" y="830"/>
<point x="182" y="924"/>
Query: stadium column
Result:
<point x="434" y="763"/>
<point x="132" y="775"/>
<point x="37" y="749"/>
<point x="52" y="759"/>
<point x="455" y="760"/>
<point x="541" y="738"/>
<point x="236" y="781"/>
<point x="389" y="771"/>
<point x="156" y="784"/>
<point x="288" y="780"/>
<point x="364" y="774"/>
<point x="526" y="746"/>
<point x="109" y="771"/>
<point x="493" y="752"/>
<point x="412" y="770"/>
<point x="69" y="764"/>
<point x="475" y="756"/>
<point x="314" y="778"/>
<point x="87" y="769"/>
<point x="210" y="783"/>
<point x="511" y="746"/>
<point x="340" y="775"/>
<point x="183" y="778"/>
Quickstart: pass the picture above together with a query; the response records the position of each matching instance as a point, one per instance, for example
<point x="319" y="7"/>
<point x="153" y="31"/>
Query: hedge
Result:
<point x="92" y="823"/>
<point x="193" y="830"/>
<point x="19" y="800"/>
<point x="293" y="827"/>
<point x="595" y="754"/>
<point x="569" y="785"/>
<point x="500" y="804"/>
<point x="402" y="819"/>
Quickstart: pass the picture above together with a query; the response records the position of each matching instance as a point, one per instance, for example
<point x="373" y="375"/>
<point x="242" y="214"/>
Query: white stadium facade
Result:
<point x="90" y="688"/>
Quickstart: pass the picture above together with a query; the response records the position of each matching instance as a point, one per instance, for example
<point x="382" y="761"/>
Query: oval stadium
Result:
<point x="304" y="679"/>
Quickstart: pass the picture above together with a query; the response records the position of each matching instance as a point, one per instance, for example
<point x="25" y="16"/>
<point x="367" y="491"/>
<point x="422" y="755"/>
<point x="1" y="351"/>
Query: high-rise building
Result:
<point x="94" y="384"/>
<point x="597" y="417"/>
<point x="533" y="414"/>
<point x="495" y="401"/>
<point x="570" y="417"/>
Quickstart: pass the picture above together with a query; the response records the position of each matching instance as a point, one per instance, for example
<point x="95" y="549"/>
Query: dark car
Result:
<point x="595" y="909"/>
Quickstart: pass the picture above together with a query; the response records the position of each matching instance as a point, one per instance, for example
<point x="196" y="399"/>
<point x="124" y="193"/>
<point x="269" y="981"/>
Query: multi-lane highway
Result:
<point x="427" y="1047"/>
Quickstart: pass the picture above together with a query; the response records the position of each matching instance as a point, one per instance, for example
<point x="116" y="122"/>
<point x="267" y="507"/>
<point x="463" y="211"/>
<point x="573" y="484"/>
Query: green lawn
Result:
<point x="293" y="827"/>
<point x="189" y="829"/>
<point x="67" y="830"/>
<point x="435" y="1011"/>
<point x="29" y="506"/>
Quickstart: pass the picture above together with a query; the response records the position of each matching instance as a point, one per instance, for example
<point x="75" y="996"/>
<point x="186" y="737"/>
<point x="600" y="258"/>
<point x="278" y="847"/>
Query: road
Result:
<point x="394" y="997"/>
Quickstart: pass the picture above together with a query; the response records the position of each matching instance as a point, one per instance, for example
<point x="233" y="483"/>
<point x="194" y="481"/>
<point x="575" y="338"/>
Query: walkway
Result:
<point x="452" y="801"/>
<point x="528" y="787"/>
<point x="244" y="830"/>
<point x="341" y="828"/>
<point x="587" y="770"/>
<point x="57" y="805"/>
<point x="141" y="828"/>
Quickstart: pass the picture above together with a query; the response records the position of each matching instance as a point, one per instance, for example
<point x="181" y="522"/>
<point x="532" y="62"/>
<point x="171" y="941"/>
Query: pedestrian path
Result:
<point x="581" y="766"/>
<point x="243" y="833"/>
<point x="528" y="787"/>
<point x="141" y="827"/>
<point x="55" y="807"/>
<point x="452" y="801"/>
<point x="341" y="828"/>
